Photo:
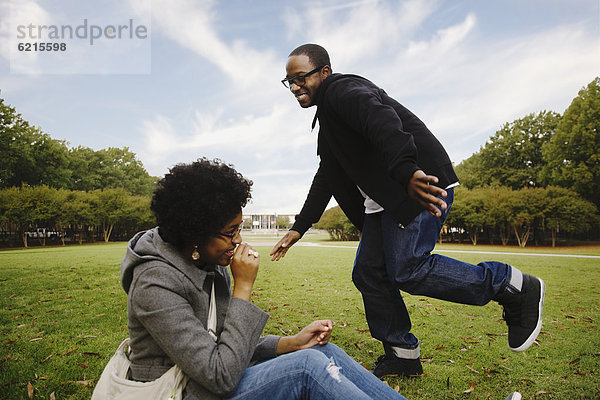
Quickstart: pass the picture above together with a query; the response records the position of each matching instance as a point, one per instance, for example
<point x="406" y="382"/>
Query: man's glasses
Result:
<point x="233" y="233"/>
<point x="299" y="80"/>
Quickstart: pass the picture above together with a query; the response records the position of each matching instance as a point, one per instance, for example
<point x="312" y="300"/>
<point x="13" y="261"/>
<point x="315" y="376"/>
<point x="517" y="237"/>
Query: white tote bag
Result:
<point x="114" y="385"/>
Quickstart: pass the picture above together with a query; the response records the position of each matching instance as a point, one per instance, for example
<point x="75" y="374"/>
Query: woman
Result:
<point x="169" y="274"/>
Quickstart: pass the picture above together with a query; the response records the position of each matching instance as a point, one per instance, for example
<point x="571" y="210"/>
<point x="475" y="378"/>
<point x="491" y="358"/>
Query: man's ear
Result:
<point x="326" y="71"/>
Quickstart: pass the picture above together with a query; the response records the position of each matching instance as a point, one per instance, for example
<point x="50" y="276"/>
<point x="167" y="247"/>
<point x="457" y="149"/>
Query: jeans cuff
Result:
<point x="516" y="279"/>
<point x="410" y="354"/>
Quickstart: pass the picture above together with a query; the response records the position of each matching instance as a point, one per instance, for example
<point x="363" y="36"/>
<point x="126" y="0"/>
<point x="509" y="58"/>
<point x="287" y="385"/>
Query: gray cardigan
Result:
<point x="167" y="310"/>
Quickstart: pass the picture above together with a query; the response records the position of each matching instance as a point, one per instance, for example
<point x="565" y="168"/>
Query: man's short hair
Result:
<point x="317" y="55"/>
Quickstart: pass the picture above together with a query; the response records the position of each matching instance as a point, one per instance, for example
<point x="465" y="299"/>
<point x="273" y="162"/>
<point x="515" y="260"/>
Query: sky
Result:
<point x="205" y="80"/>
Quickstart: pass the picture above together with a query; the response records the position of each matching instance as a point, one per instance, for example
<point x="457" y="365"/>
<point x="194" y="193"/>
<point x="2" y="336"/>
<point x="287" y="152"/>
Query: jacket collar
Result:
<point x="321" y="93"/>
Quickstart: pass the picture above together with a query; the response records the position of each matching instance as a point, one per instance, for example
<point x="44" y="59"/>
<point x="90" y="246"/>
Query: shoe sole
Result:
<point x="514" y="396"/>
<point x="538" y="327"/>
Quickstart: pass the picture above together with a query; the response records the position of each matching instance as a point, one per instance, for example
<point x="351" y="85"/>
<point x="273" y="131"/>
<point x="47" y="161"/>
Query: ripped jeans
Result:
<point x="321" y="372"/>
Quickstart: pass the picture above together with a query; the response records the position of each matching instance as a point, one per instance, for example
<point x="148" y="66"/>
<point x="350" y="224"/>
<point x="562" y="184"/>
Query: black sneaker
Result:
<point x="389" y="365"/>
<point x="523" y="312"/>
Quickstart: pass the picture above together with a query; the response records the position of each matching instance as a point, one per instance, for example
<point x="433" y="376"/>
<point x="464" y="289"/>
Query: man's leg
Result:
<point x="385" y="310"/>
<point x="415" y="270"/>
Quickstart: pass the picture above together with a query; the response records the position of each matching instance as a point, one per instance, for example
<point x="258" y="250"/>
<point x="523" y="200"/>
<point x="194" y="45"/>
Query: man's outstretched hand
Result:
<point x="419" y="188"/>
<point x="284" y="245"/>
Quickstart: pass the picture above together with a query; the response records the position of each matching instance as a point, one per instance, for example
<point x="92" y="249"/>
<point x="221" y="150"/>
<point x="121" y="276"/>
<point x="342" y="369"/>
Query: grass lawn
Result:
<point x="63" y="313"/>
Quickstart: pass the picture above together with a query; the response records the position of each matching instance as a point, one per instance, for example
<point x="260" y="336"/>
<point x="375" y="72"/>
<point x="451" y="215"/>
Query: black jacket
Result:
<point x="368" y="139"/>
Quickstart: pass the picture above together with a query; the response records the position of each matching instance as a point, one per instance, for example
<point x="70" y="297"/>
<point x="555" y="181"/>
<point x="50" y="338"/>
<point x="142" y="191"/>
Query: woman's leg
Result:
<point x="357" y="374"/>
<point x="307" y="374"/>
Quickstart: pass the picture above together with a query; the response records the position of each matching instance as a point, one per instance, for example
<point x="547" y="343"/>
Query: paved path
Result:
<point x="312" y="244"/>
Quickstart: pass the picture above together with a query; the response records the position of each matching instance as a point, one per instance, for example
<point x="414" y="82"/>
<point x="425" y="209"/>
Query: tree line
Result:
<point x="31" y="157"/>
<point x="49" y="191"/>
<point x="42" y="213"/>
<point x="538" y="176"/>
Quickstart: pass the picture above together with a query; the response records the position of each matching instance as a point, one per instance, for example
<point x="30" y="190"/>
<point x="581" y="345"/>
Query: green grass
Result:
<point x="63" y="313"/>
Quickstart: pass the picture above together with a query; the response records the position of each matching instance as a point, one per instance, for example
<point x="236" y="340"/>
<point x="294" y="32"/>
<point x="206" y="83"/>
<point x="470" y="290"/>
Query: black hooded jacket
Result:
<point x="369" y="140"/>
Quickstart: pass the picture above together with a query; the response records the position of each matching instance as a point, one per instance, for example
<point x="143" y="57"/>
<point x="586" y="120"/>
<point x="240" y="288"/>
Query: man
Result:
<point x="394" y="181"/>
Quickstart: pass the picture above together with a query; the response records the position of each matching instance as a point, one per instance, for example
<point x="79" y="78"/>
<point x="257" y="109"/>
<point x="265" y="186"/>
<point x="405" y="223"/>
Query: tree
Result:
<point x="573" y="155"/>
<point x="46" y="206"/>
<point x="28" y="208"/>
<point x="136" y="215"/>
<point x="469" y="172"/>
<point x="474" y="217"/>
<point x="108" y="207"/>
<point x="283" y="222"/>
<point x="498" y="210"/>
<point x="75" y="214"/>
<point x="513" y="156"/>
<point x="527" y="211"/>
<point x="337" y="225"/>
<point x="109" y="168"/>
<point x="29" y="156"/>
<point x="565" y="210"/>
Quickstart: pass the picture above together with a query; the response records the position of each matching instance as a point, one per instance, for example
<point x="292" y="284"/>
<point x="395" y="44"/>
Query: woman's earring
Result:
<point x="195" y="254"/>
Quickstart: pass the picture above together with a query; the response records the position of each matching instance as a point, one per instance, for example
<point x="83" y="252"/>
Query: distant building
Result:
<point x="264" y="223"/>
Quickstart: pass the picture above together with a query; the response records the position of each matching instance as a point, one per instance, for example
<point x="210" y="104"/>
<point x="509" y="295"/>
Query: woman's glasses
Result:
<point x="232" y="234"/>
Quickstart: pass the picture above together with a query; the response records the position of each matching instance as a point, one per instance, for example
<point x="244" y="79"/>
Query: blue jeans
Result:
<point x="321" y="372"/>
<point x="390" y="259"/>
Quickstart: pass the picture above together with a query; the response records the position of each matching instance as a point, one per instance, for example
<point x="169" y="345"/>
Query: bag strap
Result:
<point x="211" y="324"/>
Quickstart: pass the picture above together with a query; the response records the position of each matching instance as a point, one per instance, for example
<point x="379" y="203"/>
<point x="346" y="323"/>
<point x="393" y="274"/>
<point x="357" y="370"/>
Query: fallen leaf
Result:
<point x="29" y="390"/>
<point x="472" y="369"/>
<point x="47" y="358"/>
<point x="87" y="353"/>
<point x="88" y="382"/>
<point x="541" y="392"/>
<point x="570" y="316"/>
<point x="64" y="353"/>
<point x="36" y="339"/>
<point x="575" y="361"/>
<point x="472" y="388"/>
<point x="52" y="396"/>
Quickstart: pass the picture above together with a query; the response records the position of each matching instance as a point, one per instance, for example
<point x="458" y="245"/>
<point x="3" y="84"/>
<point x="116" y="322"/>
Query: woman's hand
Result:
<point x="244" y="268"/>
<point x="317" y="332"/>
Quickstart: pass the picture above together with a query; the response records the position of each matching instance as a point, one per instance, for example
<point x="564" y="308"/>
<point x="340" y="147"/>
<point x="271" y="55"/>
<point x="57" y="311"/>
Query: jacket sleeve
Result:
<point x="315" y="203"/>
<point x="362" y="108"/>
<point x="160" y="304"/>
<point x="266" y="348"/>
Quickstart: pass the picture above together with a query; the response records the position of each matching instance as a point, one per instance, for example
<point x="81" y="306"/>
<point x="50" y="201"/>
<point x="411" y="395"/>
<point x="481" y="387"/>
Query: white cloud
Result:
<point x="478" y="87"/>
<point x="20" y="13"/>
<point x="359" y="31"/>
<point x="191" y="24"/>
<point x="463" y="85"/>
<point x="444" y="41"/>
<point x="276" y="150"/>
